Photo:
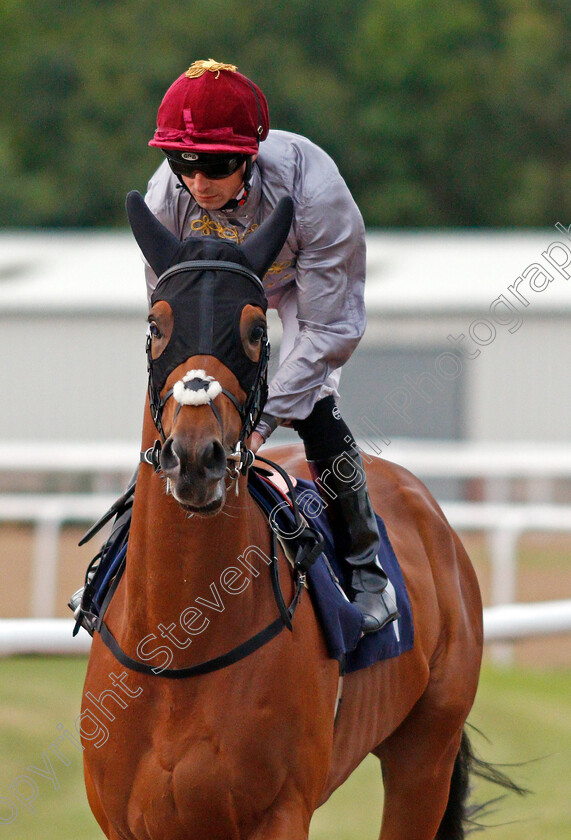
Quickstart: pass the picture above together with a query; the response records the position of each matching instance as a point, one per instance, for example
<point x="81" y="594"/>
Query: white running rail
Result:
<point x="509" y="622"/>
<point x="495" y="463"/>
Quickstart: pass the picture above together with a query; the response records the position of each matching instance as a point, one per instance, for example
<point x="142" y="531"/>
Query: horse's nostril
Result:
<point x="169" y="458"/>
<point x="214" y="460"/>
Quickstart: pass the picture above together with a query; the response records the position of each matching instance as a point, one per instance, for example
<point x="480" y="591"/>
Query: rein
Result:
<point x="307" y="554"/>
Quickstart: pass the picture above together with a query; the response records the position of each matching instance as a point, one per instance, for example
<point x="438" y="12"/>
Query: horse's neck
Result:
<point x="174" y="558"/>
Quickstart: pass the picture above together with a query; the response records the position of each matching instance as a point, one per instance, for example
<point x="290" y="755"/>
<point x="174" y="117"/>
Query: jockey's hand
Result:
<point x="256" y="441"/>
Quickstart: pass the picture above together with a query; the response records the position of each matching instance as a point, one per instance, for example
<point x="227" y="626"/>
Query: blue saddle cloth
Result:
<point x="340" y="620"/>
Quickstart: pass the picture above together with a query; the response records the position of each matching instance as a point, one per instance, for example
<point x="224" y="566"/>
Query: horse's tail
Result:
<point x="459" y="815"/>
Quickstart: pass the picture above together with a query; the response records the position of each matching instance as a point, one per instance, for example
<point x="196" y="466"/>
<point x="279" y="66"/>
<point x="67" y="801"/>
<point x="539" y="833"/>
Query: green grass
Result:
<point x="37" y="694"/>
<point x="525" y="714"/>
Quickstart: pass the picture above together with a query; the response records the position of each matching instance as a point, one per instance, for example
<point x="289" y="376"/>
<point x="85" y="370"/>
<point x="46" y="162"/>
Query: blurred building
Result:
<point x="469" y="337"/>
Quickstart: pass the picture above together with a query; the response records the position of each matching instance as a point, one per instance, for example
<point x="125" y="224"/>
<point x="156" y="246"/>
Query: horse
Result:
<point x="199" y="717"/>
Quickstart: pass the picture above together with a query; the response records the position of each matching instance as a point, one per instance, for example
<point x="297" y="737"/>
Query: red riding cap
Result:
<point x="212" y="108"/>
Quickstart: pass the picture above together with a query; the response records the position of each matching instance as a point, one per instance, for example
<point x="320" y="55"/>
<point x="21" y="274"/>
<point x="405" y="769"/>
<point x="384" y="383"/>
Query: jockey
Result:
<point x="224" y="173"/>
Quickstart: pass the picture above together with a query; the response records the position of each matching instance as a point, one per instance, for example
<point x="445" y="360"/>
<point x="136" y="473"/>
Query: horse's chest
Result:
<point x="190" y="788"/>
<point x="173" y="773"/>
<point x="171" y="791"/>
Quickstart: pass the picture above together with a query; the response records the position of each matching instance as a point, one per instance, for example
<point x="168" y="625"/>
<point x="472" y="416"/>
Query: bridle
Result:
<point x="310" y="543"/>
<point x="249" y="411"/>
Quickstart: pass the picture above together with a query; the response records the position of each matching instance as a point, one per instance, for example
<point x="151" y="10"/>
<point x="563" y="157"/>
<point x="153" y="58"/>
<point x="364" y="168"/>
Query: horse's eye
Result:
<point x="257" y="333"/>
<point x="154" y="330"/>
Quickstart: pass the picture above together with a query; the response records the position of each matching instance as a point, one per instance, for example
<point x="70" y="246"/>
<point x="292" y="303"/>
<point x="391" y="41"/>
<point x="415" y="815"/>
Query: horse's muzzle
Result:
<point x="196" y="474"/>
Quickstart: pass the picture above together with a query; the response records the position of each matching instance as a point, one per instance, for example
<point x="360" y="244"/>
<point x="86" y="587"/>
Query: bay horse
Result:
<point x="248" y="747"/>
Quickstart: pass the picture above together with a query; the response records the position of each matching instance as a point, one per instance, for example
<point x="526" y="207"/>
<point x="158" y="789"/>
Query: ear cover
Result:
<point x="262" y="247"/>
<point x="159" y="246"/>
<point x="162" y="249"/>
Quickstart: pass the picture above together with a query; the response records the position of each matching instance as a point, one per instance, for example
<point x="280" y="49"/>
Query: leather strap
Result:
<point x="240" y="652"/>
<point x="211" y="265"/>
<point x="215" y="664"/>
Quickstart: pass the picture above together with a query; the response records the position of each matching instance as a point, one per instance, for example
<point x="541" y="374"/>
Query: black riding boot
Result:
<point x="333" y="456"/>
<point x="342" y="485"/>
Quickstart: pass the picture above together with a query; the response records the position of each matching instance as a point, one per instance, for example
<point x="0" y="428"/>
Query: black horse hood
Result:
<point x="207" y="283"/>
<point x="207" y="297"/>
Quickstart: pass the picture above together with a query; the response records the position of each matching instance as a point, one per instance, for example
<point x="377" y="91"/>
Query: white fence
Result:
<point x="509" y="622"/>
<point x="496" y="464"/>
<point x="48" y="512"/>
<point x="45" y="457"/>
<point x="503" y="523"/>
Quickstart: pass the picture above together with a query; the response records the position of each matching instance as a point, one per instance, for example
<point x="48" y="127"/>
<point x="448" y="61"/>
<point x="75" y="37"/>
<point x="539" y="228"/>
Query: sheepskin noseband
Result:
<point x="196" y="388"/>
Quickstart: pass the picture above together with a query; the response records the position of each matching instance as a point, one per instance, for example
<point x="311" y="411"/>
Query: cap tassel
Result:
<point x="200" y="67"/>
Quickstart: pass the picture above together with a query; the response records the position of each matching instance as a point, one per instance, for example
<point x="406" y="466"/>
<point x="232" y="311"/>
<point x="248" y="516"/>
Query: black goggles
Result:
<point x="214" y="167"/>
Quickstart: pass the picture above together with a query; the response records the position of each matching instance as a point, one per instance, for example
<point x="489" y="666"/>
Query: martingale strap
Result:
<point x="217" y="663"/>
